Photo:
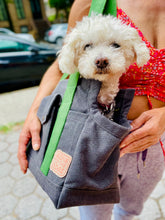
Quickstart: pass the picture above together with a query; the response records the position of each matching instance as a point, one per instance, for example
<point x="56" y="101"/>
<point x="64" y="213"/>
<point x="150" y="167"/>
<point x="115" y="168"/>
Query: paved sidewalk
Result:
<point x="14" y="106"/>
<point x="20" y="196"/>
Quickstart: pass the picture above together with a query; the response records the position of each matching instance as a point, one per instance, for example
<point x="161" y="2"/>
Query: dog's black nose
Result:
<point x="101" y="63"/>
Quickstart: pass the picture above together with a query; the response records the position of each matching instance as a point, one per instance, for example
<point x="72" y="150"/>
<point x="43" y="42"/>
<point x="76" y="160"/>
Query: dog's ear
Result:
<point x="67" y="55"/>
<point x="142" y="53"/>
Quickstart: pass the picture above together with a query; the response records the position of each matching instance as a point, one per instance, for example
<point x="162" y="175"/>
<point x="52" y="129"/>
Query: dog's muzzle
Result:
<point x="101" y="65"/>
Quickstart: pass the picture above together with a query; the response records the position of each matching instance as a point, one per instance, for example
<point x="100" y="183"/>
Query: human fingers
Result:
<point x="146" y="131"/>
<point x="23" y="141"/>
<point x="156" y="118"/>
<point x="139" y="145"/>
<point x="134" y="136"/>
<point x="35" y="134"/>
<point x="31" y="130"/>
<point x="141" y="120"/>
<point x="145" y="125"/>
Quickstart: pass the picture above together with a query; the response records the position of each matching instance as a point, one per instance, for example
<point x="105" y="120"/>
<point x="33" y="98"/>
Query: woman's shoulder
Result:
<point x="80" y="8"/>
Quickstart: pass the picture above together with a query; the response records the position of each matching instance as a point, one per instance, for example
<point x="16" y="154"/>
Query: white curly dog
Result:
<point x="102" y="48"/>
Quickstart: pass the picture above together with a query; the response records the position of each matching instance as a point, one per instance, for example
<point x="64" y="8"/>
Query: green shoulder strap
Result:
<point x="99" y="7"/>
<point x="60" y="122"/>
<point x="111" y="8"/>
<point x="103" y="7"/>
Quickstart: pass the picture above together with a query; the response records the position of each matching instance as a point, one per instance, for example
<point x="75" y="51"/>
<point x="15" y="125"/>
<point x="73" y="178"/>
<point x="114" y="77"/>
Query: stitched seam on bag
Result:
<point x="91" y="190"/>
<point x="75" y="151"/>
<point x="70" y="116"/>
<point x="89" y="88"/>
<point x="124" y="98"/>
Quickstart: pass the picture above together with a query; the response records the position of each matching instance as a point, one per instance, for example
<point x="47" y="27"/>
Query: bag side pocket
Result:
<point x="94" y="164"/>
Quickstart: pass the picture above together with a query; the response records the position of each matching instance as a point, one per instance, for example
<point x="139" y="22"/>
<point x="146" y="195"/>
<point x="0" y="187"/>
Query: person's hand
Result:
<point x="146" y="131"/>
<point x="31" y="130"/>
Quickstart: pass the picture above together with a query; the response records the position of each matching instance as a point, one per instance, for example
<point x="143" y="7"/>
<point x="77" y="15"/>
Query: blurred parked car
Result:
<point x="56" y="33"/>
<point x="22" y="35"/>
<point x="22" y="63"/>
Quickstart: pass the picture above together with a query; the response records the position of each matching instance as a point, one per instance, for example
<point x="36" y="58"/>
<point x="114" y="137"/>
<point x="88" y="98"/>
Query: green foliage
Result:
<point x="60" y="4"/>
<point x="9" y="1"/>
<point x="10" y="127"/>
<point x="51" y="18"/>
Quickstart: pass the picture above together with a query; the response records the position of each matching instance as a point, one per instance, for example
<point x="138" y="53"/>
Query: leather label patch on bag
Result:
<point x="60" y="163"/>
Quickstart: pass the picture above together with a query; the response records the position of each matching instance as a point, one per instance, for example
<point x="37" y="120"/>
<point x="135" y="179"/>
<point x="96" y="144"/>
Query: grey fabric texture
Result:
<point x="90" y="139"/>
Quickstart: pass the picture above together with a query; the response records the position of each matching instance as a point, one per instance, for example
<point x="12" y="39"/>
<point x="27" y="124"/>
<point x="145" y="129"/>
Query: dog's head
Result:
<point x="100" y="46"/>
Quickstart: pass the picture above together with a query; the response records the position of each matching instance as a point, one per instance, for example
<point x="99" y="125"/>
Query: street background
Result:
<point x="20" y="196"/>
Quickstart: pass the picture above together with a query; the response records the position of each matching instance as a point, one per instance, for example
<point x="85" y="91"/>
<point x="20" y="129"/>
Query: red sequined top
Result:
<point x="150" y="79"/>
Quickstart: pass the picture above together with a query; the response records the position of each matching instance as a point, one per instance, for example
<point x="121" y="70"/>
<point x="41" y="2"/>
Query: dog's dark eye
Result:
<point x="87" y="46"/>
<point x="115" y="45"/>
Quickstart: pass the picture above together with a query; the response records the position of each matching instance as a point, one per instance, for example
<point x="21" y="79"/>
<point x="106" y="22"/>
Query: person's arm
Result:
<point x="32" y="126"/>
<point x="146" y="131"/>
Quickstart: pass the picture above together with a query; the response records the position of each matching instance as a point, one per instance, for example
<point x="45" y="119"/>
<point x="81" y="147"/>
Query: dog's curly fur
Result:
<point x="102" y="48"/>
